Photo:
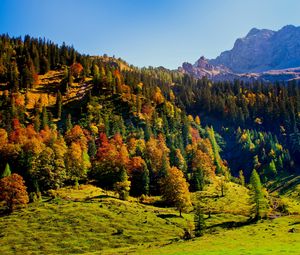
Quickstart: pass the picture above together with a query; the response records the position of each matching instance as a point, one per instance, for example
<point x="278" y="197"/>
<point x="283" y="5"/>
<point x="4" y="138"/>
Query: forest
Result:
<point x="68" y="119"/>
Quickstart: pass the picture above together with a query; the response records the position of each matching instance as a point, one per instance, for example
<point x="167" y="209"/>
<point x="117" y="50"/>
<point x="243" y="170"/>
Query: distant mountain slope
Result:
<point x="262" y="54"/>
<point x="263" y="50"/>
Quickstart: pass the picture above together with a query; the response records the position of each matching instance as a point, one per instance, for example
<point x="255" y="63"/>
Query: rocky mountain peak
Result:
<point x="257" y="54"/>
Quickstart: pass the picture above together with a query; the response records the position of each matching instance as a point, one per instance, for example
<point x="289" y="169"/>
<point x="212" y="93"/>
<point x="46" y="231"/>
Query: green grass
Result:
<point x="263" y="238"/>
<point x="84" y="223"/>
<point x="93" y="221"/>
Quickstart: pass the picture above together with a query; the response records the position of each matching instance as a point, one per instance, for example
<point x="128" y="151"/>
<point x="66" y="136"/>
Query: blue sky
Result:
<point x="146" y="32"/>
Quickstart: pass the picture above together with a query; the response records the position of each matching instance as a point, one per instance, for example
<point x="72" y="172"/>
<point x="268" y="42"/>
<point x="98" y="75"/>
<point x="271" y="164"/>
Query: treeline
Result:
<point x="22" y="60"/>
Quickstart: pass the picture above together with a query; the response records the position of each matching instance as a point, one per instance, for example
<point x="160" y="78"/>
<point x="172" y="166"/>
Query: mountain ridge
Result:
<point x="262" y="54"/>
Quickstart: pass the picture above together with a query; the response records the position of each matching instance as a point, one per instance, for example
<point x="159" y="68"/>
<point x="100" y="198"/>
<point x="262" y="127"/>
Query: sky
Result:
<point x="146" y="32"/>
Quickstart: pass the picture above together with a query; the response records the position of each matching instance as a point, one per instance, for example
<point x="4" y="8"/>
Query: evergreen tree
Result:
<point x="257" y="195"/>
<point x="58" y="104"/>
<point x="37" y="122"/>
<point x="199" y="221"/>
<point x="6" y="172"/>
<point x="69" y="124"/>
<point x="165" y="167"/>
<point x="92" y="149"/>
<point x="242" y="178"/>
<point x="145" y="180"/>
<point x="147" y="132"/>
<point x="122" y="187"/>
<point x="271" y="169"/>
<point x="45" y="119"/>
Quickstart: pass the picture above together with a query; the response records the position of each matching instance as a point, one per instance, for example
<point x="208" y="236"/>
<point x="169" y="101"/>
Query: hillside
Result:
<point x="104" y="156"/>
<point x="92" y="221"/>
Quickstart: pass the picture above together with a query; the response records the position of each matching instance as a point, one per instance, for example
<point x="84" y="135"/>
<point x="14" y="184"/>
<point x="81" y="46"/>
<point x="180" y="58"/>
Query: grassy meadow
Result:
<point x="93" y="221"/>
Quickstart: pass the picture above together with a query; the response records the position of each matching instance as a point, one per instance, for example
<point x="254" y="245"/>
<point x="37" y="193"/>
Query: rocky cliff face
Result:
<point x="261" y="54"/>
<point x="262" y="50"/>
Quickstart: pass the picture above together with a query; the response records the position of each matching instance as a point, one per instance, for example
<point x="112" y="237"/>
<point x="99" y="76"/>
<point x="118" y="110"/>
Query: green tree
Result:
<point x="242" y="178"/>
<point x="37" y="122"/>
<point x="6" y="172"/>
<point x="45" y="119"/>
<point x="199" y="221"/>
<point x="58" y="104"/>
<point x="123" y="186"/>
<point x="257" y="197"/>
<point x="271" y="169"/>
<point x="69" y="124"/>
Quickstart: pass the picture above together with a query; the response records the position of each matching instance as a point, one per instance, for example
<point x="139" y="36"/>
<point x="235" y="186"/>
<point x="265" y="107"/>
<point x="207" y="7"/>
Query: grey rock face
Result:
<point x="262" y="50"/>
<point x="262" y="54"/>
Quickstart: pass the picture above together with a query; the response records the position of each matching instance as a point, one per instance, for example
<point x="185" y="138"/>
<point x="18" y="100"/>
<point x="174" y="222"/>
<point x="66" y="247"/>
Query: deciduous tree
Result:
<point x="13" y="191"/>
<point x="175" y="189"/>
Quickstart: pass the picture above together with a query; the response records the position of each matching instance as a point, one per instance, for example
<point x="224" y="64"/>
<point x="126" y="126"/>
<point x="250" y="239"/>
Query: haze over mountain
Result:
<point x="262" y="53"/>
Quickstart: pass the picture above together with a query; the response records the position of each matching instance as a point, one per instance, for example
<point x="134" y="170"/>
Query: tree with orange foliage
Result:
<point x="77" y="135"/>
<point x="76" y="69"/>
<point x="111" y="159"/>
<point x="158" y="97"/>
<point x="13" y="191"/>
<point x="175" y="190"/>
<point x="139" y="176"/>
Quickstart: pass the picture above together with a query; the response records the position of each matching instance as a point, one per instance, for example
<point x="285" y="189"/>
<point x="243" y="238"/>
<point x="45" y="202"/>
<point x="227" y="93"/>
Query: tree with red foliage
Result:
<point x="13" y="191"/>
<point x="76" y="69"/>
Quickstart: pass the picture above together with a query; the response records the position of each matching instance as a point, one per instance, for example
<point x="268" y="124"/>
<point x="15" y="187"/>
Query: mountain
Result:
<point x="262" y="54"/>
<point x="263" y="50"/>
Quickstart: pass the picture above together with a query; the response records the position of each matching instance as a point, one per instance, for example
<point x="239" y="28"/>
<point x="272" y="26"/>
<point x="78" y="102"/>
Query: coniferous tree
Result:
<point x="58" y="104"/>
<point x="6" y="171"/>
<point x="45" y="119"/>
<point x="257" y="195"/>
<point x="37" y="122"/>
<point x="92" y="149"/>
<point x="242" y="178"/>
<point x="122" y="187"/>
<point x="199" y="221"/>
<point x="69" y="124"/>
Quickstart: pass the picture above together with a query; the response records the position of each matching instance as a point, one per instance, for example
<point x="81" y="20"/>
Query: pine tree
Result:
<point x="147" y="132"/>
<point x="37" y="122"/>
<point x="122" y="187"/>
<point x="164" y="167"/>
<point x="272" y="171"/>
<point x="257" y="195"/>
<point x="92" y="149"/>
<point x="199" y="221"/>
<point x="58" y="104"/>
<point x="45" y="119"/>
<point x="242" y="178"/>
<point x="145" y="180"/>
<point x="69" y="122"/>
<point x="6" y="172"/>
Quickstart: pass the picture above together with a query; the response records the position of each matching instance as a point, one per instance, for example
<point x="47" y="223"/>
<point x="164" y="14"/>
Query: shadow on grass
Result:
<point x="98" y="197"/>
<point x="233" y="224"/>
<point x="168" y="215"/>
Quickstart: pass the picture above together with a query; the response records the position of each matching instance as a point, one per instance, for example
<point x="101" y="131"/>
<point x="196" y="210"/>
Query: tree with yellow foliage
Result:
<point x="175" y="189"/>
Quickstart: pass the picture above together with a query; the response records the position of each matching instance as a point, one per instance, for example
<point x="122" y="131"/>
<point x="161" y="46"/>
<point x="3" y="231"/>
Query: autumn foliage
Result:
<point x="13" y="191"/>
<point x="175" y="189"/>
<point x="76" y="69"/>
